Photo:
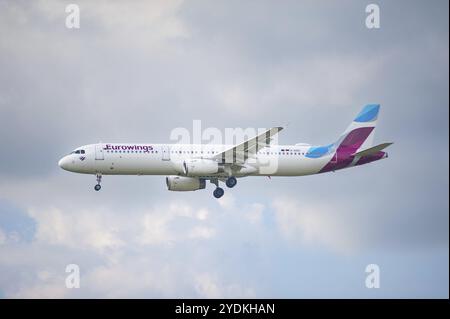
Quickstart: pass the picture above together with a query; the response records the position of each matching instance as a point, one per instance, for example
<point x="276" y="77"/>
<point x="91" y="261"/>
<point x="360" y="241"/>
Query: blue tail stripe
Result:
<point x="369" y="113"/>
<point x="319" y="151"/>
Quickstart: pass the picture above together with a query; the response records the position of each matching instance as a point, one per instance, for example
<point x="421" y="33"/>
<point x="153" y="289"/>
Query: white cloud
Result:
<point x="155" y="229"/>
<point x="157" y="223"/>
<point x="202" y="232"/>
<point x="42" y="290"/>
<point x="106" y="229"/>
<point x="109" y="280"/>
<point x="92" y="229"/>
<point x="227" y="202"/>
<point x="202" y="214"/>
<point x="254" y="213"/>
<point x="209" y="286"/>
<point x="317" y="224"/>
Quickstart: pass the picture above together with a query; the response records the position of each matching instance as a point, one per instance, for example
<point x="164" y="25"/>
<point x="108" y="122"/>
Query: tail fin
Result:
<point x="354" y="146"/>
<point x="360" y="133"/>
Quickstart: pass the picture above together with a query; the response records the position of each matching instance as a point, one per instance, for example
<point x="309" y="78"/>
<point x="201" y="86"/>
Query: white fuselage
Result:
<point x="167" y="159"/>
<point x="189" y="166"/>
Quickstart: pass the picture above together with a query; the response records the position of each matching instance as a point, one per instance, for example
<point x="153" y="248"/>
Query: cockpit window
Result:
<point x="78" y="152"/>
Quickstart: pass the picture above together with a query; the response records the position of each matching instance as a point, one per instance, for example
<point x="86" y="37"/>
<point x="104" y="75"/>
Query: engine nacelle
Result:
<point x="182" y="184"/>
<point x="199" y="167"/>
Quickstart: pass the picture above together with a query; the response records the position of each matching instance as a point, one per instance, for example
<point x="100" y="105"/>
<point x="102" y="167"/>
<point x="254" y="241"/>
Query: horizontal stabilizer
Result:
<point x="372" y="150"/>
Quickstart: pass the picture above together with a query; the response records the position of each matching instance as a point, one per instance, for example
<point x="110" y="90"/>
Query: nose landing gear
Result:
<point x="99" y="180"/>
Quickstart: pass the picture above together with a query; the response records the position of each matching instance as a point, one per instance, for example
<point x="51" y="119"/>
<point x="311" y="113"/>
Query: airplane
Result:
<point x="188" y="166"/>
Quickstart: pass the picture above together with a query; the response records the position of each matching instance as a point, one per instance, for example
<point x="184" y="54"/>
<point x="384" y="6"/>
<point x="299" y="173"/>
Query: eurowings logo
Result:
<point x="82" y="158"/>
<point x="145" y="148"/>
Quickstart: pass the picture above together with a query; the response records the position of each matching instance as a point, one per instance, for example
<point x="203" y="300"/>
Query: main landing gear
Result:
<point x="99" y="180"/>
<point x="230" y="182"/>
<point x="218" y="192"/>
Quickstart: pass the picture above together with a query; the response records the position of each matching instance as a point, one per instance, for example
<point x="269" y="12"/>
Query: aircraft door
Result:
<point x="99" y="152"/>
<point x="165" y="152"/>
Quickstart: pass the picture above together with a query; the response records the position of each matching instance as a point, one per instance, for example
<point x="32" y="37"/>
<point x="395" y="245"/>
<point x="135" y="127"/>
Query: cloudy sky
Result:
<point x="133" y="73"/>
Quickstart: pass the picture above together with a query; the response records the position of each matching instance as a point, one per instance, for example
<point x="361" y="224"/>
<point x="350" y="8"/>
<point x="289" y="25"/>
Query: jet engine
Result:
<point x="181" y="184"/>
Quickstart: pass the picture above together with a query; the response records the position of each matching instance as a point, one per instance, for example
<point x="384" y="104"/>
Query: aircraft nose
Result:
<point x="63" y="163"/>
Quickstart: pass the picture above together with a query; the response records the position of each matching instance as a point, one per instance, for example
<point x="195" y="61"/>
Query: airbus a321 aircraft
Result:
<point x="189" y="166"/>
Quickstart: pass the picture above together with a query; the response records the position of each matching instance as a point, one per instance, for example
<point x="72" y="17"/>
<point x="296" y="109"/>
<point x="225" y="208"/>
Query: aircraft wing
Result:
<point x="239" y="153"/>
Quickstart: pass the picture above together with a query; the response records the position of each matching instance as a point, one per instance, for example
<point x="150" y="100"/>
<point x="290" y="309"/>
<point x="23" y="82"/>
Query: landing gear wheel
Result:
<point x="99" y="180"/>
<point x="231" y="182"/>
<point x="218" y="192"/>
